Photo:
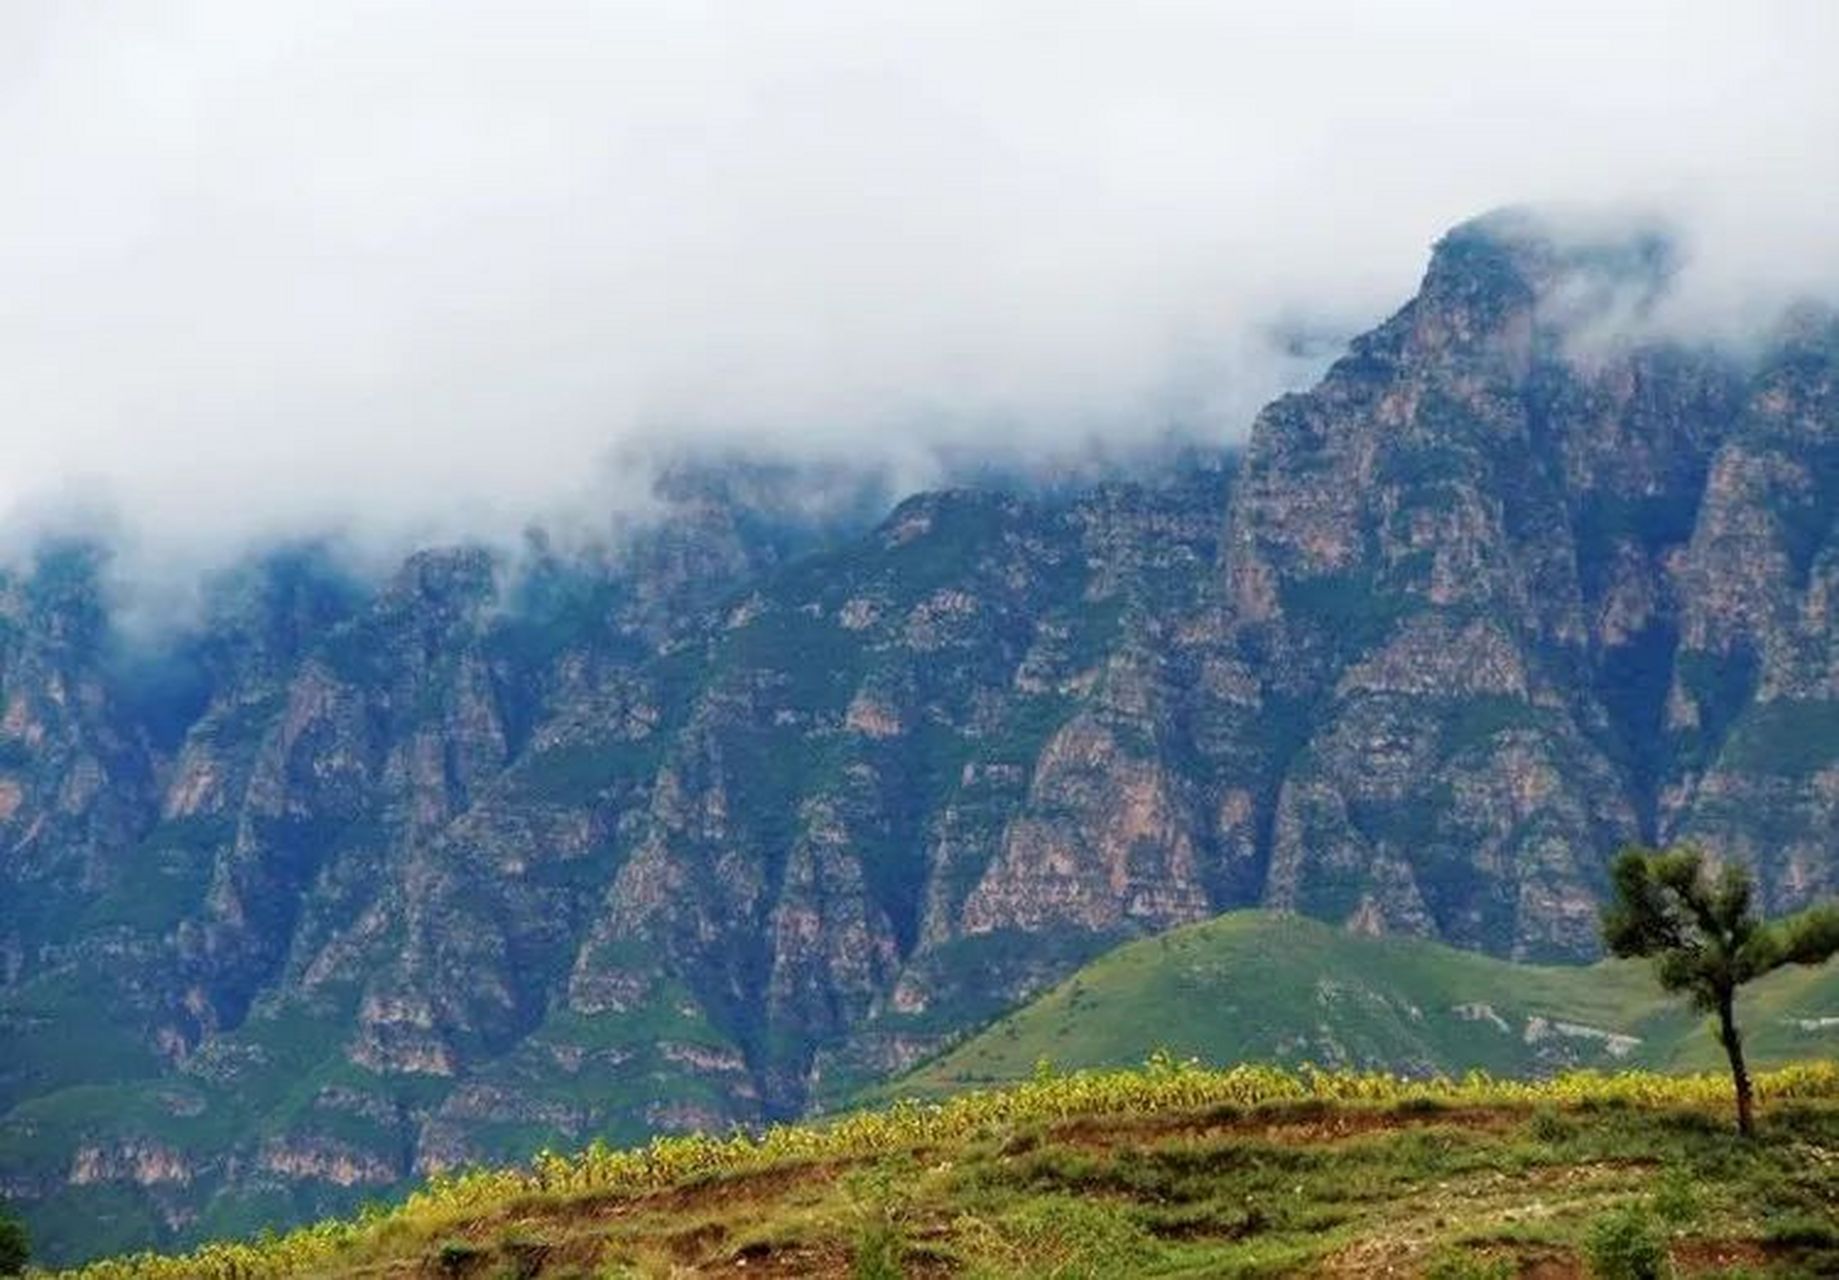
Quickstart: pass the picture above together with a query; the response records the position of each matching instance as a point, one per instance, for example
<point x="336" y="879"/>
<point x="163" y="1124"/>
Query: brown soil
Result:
<point x="1693" y="1257"/>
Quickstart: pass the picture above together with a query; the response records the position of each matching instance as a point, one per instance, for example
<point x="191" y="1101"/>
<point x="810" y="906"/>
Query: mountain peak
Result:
<point x="699" y="832"/>
<point x="1575" y="266"/>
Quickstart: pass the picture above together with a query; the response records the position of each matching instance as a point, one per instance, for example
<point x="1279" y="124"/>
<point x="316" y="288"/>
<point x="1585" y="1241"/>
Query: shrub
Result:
<point x="1065" y="1237"/>
<point x="1458" y="1264"/>
<point x="1676" y="1199"/>
<point x="524" y="1255"/>
<point x="1625" y="1246"/>
<point x="878" y="1250"/>
<point x="1419" y="1105"/>
<point x="15" y="1248"/>
<point x="454" y="1257"/>
<point x="881" y="1196"/>
<point x="1802" y="1230"/>
<point x="1548" y="1126"/>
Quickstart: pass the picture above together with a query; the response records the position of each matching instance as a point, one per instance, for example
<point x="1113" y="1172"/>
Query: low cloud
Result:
<point x="420" y="268"/>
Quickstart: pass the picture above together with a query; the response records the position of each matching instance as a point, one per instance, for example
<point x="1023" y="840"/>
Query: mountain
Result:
<point x="1250" y="986"/>
<point x="358" y="880"/>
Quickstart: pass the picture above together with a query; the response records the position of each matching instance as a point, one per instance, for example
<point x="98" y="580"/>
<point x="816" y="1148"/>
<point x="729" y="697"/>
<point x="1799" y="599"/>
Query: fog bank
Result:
<point x="418" y="269"/>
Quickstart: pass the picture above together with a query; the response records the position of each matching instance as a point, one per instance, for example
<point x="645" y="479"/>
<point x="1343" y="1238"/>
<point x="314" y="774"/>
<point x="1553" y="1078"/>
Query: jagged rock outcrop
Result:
<point x="361" y="881"/>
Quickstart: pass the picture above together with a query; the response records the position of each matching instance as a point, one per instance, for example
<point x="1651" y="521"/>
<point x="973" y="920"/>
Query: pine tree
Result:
<point x="1705" y="937"/>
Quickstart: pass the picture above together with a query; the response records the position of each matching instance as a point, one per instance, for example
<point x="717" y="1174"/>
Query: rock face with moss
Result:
<point x="353" y="882"/>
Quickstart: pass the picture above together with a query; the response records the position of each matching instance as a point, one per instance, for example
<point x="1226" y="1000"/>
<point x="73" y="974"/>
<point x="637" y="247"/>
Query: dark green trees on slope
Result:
<point x="1702" y="930"/>
<point x="15" y="1250"/>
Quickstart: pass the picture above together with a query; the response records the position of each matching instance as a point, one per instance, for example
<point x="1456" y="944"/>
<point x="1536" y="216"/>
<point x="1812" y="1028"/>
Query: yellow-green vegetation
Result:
<point x="1172" y="1169"/>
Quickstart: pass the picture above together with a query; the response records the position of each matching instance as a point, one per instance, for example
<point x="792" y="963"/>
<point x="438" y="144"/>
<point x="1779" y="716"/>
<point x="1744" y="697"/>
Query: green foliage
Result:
<point x="1626" y="1245"/>
<point x="1477" y="720"/>
<point x="1351" y="610"/>
<point x="1676" y="1200"/>
<point x="1807" y="518"/>
<point x="880" y="1198"/>
<point x="1702" y="932"/>
<point x="1807" y="938"/>
<point x="1548" y="1126"/>
<point x="1063" y="1237"/>
<point x="1792" y="738"/>
<point x="1460" y="1264"/>
<point x="1418" y="465"/>
<point x="15" y="1247"/>
<point x="1800" y="1229"/>
<point x="167" y="876"/>
<point x="1705" y="937"/>
<point x="454" y="1257"/>
<point x="1720" y="685"/>
<point x="818" y="662"/>
<point x="577" y="772"/>
<point x="877" y="1253"/>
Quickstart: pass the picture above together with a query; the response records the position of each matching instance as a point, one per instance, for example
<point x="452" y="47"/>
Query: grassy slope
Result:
<point x="1252" y="986"/>
<point x="1247" y="986"/>
<point x="1160" y="1173"/>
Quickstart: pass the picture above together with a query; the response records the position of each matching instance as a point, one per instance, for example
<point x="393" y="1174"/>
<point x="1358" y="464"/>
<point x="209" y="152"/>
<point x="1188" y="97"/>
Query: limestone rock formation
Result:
<point x="357" y="881"/>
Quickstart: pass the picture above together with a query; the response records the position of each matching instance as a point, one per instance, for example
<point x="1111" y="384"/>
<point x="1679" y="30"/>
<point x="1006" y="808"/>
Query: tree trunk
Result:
<point x="1732" y="1041"/>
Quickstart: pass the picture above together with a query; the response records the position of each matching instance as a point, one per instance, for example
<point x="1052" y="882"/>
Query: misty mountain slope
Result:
<point x="1456" y="555"/>
<point x="422" y="899"/>
<point x="379" y="879"/>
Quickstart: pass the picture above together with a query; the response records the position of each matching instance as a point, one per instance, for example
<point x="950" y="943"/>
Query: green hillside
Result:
<point x="1172" y="1170"/>
<point x="1253" y="986"/>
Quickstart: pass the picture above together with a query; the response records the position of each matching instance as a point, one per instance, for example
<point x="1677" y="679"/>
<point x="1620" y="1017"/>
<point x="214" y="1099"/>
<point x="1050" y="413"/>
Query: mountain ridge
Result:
<point x="404" y="878"/>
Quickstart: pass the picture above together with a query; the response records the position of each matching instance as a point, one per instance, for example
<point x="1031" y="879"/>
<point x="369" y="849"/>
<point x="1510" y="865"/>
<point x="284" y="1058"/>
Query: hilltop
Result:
<point x="1259" y="987"/>
<point x="1169" y="1171"/>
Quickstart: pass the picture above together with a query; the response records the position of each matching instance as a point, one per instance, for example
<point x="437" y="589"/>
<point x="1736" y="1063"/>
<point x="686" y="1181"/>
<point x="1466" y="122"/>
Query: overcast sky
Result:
<point x="434" y="265"/>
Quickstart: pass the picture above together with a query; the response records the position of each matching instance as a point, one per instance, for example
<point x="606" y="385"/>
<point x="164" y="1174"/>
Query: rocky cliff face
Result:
<point x="360" y="882"/>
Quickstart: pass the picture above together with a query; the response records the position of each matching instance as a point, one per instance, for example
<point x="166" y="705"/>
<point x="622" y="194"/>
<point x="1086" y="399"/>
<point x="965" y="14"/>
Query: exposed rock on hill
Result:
<point x="360" y="882"/>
